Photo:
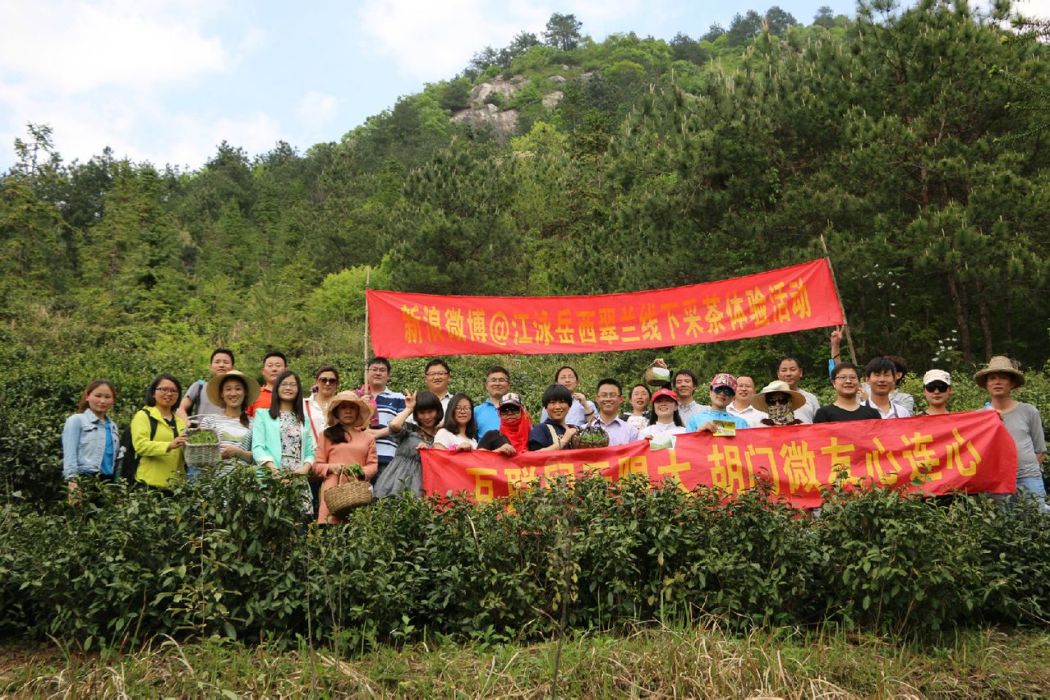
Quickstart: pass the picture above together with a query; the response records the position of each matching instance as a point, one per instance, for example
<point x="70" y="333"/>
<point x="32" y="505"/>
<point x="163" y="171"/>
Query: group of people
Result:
<point x="325" y="433"/>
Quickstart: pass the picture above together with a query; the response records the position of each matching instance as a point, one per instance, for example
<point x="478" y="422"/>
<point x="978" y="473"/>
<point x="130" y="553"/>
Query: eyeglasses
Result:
<point x="778" y="399"/>
<point x="937" y="387"/>
<point x="846" y="378"/>
<point x="166" y="390"/>
<point x="724" y="391"/>
<point x="498" y="380"/>
<point x="463" y="409"/>
<point x="326" y="380"/>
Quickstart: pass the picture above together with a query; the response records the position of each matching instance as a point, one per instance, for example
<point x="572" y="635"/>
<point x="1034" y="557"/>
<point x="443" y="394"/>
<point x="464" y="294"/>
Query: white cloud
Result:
<point x="435" y="40"/>
<point x="136" y="127"/>
<point x="430" y="40"/>
<point x="97" y="73"/>
<point x="68" y="47"/>
<point x="192" y="140"/>
<point x="316" y="109"/>
<point x="1034" y="8"/>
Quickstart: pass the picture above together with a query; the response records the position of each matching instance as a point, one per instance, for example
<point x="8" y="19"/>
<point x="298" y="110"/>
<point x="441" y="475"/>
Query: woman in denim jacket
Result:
<point x="90" y="440"/>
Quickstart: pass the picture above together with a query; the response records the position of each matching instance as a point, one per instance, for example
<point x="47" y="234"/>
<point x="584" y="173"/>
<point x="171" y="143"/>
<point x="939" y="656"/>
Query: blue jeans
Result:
<point x="1033" y="487"/>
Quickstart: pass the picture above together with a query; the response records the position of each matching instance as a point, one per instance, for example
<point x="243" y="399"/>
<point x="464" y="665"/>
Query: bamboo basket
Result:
<point x="205" y="455"/>
<point x="344" y="497"/>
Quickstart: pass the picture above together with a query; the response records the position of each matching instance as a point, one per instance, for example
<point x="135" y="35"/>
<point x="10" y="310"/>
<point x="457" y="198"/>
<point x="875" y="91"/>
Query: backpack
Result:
<point x="196" y="407"/>
<point x="129" y="462"/>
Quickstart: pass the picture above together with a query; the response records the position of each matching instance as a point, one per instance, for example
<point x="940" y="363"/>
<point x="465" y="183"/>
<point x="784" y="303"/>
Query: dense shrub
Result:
<point x="232" y="558"/>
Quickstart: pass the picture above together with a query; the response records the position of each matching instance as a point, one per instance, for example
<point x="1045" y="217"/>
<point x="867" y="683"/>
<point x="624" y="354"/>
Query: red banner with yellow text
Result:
<point x="971" y="452"/>
<point x="779" y="301"/>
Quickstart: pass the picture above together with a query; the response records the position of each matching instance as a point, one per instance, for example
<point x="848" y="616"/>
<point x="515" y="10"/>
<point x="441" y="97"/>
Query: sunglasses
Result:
<point x="327" y="380"/>
<point x="510" y="409"/>
<point x="778" y="400"/>
<point x="724" y="391"/>
<point x="937" y="387"/>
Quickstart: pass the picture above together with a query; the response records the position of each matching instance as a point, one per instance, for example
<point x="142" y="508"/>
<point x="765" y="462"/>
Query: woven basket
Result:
<point x="202" y="455"/>
<point x="657" y="376"/>
<point x="344" y="497"/>
<point x="590" y="430"/>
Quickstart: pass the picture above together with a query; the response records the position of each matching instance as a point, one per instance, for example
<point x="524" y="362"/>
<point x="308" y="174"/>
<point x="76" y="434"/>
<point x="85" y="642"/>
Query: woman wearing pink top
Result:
<point x="343" y="443"/>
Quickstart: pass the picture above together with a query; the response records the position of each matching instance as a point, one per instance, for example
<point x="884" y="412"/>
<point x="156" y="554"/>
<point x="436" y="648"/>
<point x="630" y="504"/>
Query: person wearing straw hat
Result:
<point x="343" y="443"/>
<point x="196" y="401"/>
<point x="779" y="402"/>
<point x="232" y="392"/>
<point x="999" y="378"/>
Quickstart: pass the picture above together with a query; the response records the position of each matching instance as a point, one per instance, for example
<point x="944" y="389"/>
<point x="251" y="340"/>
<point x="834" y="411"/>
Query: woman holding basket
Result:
<point x="234" y="393"/>
<point x="343" y="444"/>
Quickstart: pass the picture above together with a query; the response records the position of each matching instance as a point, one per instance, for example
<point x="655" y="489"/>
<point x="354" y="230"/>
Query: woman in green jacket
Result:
<point x="282" y="441"/>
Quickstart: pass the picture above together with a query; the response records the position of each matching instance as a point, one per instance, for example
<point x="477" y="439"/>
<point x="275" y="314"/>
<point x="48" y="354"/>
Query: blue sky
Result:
<point x="168" y="80"/>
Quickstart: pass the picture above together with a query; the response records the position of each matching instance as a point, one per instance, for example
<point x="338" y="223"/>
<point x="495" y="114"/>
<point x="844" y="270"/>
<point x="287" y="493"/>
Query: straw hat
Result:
<point x="214" y="388"/>
<point x="1001" y="364"/>
<point x="777" y="387"/>
<point x="364" y="408"/>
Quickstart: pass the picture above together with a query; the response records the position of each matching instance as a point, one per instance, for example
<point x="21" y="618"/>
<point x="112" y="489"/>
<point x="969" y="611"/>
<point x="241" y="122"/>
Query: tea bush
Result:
<point x="232" y="558"/>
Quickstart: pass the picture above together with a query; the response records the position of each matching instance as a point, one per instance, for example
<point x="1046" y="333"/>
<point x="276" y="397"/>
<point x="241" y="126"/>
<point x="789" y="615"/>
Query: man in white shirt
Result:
<point x="881" y="374"/>
<point x="741" y="406"/>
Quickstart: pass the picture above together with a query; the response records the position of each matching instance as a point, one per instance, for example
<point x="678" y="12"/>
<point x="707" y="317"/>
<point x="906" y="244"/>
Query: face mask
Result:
<point x="781" y="414"/>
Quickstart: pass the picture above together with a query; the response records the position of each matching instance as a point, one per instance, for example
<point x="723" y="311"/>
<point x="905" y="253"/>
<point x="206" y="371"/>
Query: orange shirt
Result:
<point x="263" y="401"/>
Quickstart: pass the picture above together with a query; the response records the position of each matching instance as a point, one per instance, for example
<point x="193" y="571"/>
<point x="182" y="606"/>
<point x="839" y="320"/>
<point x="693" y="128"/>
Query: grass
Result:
<point x="649" y="662"/>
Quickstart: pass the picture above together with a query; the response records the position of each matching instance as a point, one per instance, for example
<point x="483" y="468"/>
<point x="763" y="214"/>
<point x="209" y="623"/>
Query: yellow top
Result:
<point x="157" y="466"/>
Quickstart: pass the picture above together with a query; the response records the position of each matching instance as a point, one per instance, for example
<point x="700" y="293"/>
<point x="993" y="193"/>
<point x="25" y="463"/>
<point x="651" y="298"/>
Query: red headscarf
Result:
<point x="516" y="430"/>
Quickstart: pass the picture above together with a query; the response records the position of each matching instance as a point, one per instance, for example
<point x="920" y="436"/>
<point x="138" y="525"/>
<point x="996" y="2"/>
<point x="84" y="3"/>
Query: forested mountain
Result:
<point x="914" y="142"/>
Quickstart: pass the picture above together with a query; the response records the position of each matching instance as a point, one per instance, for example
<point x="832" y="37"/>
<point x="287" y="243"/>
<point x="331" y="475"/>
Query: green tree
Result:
<point x="684" y="48"/>
<point x="777" y="20"/>
<point x="456" y="95"/>
<point x="825" y="17"/>
<point x="454" y="233"/>
<point x="563" y="31"/>
<point x="744" y="27"/>
<point x="137" y="251"/>
<point x="713" y="32"/>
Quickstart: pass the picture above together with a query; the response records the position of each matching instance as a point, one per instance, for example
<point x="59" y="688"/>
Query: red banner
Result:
<point x="779" y="301"/>
<point x="971" y="452"/>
